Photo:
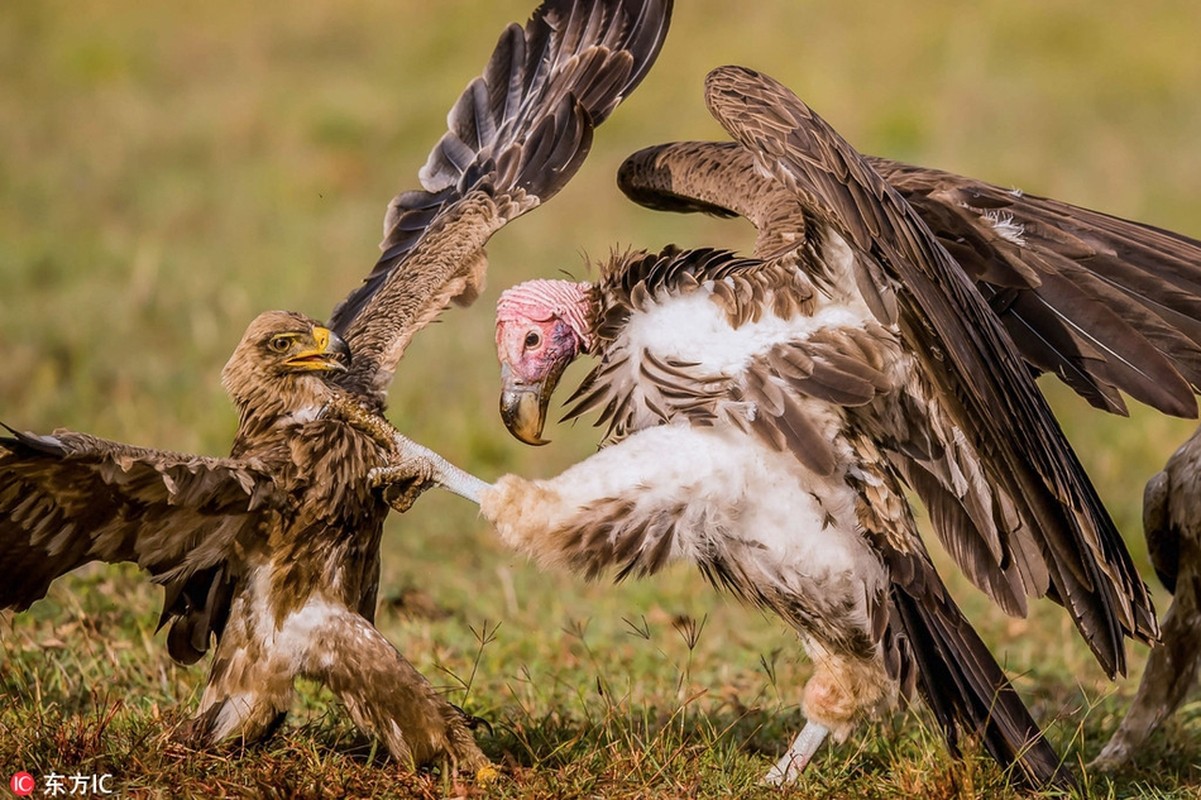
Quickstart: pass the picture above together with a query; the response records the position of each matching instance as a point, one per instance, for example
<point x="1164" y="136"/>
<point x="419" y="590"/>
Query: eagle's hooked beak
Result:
<point x="329" y="353"/>
<point x="523" y="405"/>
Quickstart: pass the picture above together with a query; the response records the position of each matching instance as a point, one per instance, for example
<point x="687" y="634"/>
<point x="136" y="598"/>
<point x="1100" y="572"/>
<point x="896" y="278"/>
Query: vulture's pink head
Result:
<point x="541" y="326"/>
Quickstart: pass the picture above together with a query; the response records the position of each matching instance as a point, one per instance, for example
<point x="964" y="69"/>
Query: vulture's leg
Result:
<point x="793" y="762"/>
<point x="1170" y="672"/>
<point x="843" y="690"/>
<point x="628" y="507"/>
<point x="386" y="696"/>
<point x="413" y="467"/>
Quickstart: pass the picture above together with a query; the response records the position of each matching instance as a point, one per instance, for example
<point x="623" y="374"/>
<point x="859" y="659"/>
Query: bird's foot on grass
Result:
<point x="798" y="756"/>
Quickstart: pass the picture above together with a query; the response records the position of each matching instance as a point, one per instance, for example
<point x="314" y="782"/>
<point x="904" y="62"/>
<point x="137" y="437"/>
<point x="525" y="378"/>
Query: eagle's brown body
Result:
<point x="304" y="594"/>
<point x="273" y="552"/>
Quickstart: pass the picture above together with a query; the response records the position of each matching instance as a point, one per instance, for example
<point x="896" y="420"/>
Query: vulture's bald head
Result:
<point x="283" y="362"/>
<point x="541" y="326"/>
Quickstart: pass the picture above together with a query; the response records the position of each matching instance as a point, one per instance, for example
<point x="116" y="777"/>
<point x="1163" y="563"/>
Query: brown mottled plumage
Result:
<point x="1172" y="524"/>
<point x="274" y="551"/>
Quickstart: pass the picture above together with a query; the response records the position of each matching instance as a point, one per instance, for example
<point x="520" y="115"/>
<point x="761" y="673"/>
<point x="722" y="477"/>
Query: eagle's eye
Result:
<point x="280" y="344"/>
<point x="532" y="340"/>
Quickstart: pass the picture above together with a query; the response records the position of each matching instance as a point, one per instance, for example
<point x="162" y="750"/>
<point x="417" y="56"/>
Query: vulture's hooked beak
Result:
<point x="523" y="405"/>
<point x="329" y="353"/>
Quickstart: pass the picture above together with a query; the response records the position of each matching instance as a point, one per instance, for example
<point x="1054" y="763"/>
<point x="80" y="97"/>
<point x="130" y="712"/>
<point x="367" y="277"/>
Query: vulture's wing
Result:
<point x="930" y="643"/>
<point x="962" y="347"/>
<point x="717" y="178"/>
<point x="1106" y="304"/>
<point x="70" y="498"/>
<point x="517" y="135"/>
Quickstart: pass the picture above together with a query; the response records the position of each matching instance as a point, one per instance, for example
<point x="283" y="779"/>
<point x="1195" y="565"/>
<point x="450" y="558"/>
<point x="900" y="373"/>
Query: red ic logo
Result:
<point x="22" y="784"/>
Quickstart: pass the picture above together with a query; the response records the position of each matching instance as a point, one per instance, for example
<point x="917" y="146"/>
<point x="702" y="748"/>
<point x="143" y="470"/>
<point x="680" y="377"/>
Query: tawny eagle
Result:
<point x="1172" y="525"/>
<point x="765" y="415"/>
<point x="274" y="551"/>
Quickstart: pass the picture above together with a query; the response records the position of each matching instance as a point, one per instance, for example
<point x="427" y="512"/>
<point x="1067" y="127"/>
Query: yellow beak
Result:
<point x="328" y="353"/>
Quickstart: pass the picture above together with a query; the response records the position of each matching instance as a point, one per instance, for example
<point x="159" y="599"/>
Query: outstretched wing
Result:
<point x="1106" y="304"/>
<point x="517" y="135"/>
<point x="962" y="348"/>
<point x="70" y="498"/>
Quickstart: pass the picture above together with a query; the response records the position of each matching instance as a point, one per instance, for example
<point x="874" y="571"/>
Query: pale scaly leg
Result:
<point x="800" y="752"/>
<point x="842" y="691"/>
<point x="413" y="467"/>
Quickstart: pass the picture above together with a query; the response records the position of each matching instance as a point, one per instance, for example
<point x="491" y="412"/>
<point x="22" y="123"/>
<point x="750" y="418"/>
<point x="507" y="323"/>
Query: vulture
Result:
<point x="273" y="552"/>
<point x="764" y="416"/>
<point x="1172" y="525"/>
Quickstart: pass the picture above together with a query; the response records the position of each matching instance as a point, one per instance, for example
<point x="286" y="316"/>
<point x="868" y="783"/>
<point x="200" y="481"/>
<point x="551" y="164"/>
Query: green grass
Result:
<point x="169" y="170"/>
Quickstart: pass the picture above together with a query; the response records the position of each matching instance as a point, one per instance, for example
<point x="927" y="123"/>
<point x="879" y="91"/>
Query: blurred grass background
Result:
<point x="167" y="171"/>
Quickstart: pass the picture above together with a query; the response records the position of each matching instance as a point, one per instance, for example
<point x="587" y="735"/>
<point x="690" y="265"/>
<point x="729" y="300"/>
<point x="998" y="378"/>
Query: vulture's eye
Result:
<point x="280" y="344"/>
<point x="532" y="340"/>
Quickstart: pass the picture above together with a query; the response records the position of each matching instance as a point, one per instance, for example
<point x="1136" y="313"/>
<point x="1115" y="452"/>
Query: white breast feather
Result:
<point x="735" y="491"/>
<point x="693" y="328"/>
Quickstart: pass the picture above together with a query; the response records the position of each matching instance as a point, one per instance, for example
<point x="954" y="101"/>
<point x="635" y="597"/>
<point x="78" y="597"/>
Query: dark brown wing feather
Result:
<point x="70" y="498"/>
<point x="1106" y="304"/>
<point x="1172" y="513"/>
<point x="1103" y="302"/>
<point x="929" y="644"/>
<point x="963" y="349"/>
<point x="517" y="135"/>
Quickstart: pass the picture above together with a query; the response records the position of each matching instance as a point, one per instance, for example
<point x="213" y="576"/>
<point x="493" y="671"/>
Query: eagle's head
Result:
<point x="541" y="326"/>
<point x="283" y="363"/>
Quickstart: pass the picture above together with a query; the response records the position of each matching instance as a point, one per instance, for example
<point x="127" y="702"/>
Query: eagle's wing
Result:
<point x="1106" y="304"/>
<point x="517" y="135"/>
<point x="70" y="498"/>
<point x="961" y="346"/>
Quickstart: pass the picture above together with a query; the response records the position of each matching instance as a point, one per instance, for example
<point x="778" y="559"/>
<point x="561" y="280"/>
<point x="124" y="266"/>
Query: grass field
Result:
<point x="169" y="170"/>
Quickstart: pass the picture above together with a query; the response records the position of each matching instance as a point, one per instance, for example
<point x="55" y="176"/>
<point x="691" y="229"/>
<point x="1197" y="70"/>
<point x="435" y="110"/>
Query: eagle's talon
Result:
<point x="401" y="484"/>
<point x="473" y="722"/>
<point x="401" y="496"/>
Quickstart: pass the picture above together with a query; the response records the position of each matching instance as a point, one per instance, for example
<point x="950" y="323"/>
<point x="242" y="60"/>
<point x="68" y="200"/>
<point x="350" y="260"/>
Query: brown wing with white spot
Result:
<point x="1105" y="304"/>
